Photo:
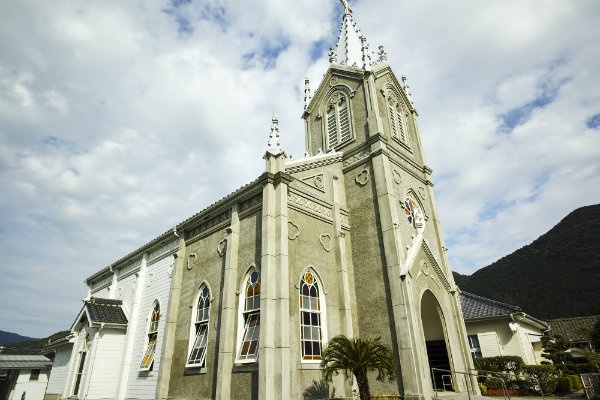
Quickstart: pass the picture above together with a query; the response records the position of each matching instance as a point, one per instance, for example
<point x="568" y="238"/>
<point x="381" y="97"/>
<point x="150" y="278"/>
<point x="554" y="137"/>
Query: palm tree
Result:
<point x="358" y="356"/>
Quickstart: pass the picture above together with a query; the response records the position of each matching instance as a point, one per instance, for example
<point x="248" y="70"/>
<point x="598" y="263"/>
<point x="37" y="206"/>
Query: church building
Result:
<point x="239" y="300"/>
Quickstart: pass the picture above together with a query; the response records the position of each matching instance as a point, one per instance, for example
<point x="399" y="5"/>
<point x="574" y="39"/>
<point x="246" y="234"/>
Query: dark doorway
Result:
<point x="435" y="341"/>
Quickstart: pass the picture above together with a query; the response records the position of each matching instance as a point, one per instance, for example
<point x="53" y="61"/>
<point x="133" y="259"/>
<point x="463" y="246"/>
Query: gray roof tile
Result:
<point x="9" y="361"/>
<point x="105" y="310"/>
<point x="570" y="328"/>
<point x="474" y="307"/>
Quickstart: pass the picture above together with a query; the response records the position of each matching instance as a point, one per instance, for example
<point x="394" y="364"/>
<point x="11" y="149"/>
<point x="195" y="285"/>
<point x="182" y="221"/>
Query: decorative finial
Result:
<point x="307" y="96"/>
<point x="382" y="54"/>
<point x="332" y="56"/>
<point x="274" y="136"/>
<point x="366" y="64"/>
<point x="406" y="88"/>
<point x="347" y="9"/>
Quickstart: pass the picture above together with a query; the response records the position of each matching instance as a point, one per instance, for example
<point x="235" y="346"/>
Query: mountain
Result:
<point x="27" y="345"/>
<point x="556" y="276"/>
<point x="9" y="337"/>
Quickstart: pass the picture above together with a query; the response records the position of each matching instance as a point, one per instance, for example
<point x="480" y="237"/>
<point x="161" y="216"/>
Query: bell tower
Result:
<point x="404" y="287"/>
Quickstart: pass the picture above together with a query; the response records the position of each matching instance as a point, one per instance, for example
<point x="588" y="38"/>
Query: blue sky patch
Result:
<point x="491" y="210"/>
<point x="319" y="49"/>
<point x="547" y="92"/>
<point x="267" y="55"/>
<point x="593" y="122"/>
<point x="62" y="144"/>
<point x="184" y="14"/>
<point x="216" y="14"/>
<point x="179" y="3"/>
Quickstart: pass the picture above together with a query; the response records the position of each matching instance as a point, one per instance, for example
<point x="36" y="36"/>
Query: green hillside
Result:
<point x="556" y="276"/>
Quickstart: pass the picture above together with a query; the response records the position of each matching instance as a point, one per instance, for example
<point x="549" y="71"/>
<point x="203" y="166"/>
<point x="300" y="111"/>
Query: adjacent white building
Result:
<point x="113" y="351"/>
<point x="500" y="329"/>
<point x="23" y="377"/>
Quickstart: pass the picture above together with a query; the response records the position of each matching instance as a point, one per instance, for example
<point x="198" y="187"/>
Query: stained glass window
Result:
<point x="413" y="213"/>
<point x="310" y="318"/>
<point x="198" y="353"/>
<point x="251" y="316"/>
<point x="148" y="359"/>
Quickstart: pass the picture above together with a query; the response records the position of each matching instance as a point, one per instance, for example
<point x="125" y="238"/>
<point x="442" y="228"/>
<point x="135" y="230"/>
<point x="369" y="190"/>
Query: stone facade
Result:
<point x="346" y="240"/>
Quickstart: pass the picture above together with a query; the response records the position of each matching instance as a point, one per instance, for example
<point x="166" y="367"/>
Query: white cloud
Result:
<point x="149" y="112"/>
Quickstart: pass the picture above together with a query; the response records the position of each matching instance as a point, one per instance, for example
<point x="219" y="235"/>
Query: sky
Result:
<point x="118" y="120"/>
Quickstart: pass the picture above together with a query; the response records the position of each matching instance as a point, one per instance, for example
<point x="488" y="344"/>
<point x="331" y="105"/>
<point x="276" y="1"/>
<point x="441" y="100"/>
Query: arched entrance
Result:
<point x="435" y="341"/>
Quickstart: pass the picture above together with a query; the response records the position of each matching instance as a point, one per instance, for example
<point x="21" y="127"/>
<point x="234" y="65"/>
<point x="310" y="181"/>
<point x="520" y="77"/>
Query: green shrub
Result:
<point x="584" y="369"/>
<point x="563" y="385"/>
<point x="575" y="382"/>
<point x="545" y="374"/>
<point x="493" y="384"/>
<point x="518" y="384"/>
<point x="509" y="364"/>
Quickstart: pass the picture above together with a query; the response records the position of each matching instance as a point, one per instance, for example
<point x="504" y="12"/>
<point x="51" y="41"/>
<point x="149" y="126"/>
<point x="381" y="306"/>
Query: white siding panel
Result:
<point x="58" y="375"/>
<point x="126" y="291"/>
<point x="157" y="283"/>
<point x="106" y="365"/>
<point x="102" y="293"/>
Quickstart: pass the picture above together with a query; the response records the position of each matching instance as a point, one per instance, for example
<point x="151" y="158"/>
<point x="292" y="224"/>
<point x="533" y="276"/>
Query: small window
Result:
<point x="251" y="316"/>
<point x="474" y="346"/>
<point x="34" y="375"/>
<point x="148" y="359"/>
<point x="197" y="355"/>
<point x="311" y="336"/>
<point x="338" y="121"/>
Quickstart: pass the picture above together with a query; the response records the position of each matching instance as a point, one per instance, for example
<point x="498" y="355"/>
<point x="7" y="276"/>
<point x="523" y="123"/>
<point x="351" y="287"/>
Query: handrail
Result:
<point x="469" y="386"/>
<point x="533" y="378"/>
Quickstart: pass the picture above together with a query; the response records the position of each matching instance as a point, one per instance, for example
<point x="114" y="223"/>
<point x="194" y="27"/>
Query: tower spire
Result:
<point x="352" y="48"/>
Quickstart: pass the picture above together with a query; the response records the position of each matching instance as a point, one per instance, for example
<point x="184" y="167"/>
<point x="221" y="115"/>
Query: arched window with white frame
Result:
<point x="250" y="316"/>
<point x="337" y="123"/>
<point x="200" y="325"/>
<point x="151" y="339"/>
<point x="311" y="316"/>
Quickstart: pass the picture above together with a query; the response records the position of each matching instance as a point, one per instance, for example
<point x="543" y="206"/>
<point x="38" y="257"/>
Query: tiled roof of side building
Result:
<point x="8" y="361"/>
<point x="106" y="310"/>
<point x="571" y="328"/>
<point x="474" y="307"/>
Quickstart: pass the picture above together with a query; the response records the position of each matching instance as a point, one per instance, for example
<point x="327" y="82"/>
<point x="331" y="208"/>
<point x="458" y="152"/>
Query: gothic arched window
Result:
<point x="201" y="316"/>
<point x="338" y="121"/>
<point x="311" y="317"/>
<point x="248" y="350"/>
<point x="152" y="338"/>
<point x="397" y="122"/>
